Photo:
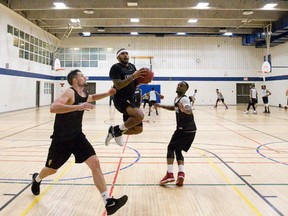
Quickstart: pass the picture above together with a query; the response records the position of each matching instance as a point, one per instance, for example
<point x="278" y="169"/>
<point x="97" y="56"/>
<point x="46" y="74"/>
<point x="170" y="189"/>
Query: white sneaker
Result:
<point x="109" y="136"/>
<point x="254" y="112"/>
<point x="246" y="112"/>
<point x="119" y="140"/>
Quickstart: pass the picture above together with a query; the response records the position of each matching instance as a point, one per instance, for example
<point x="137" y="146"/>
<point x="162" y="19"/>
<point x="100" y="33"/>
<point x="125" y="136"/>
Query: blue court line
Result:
<point x="269" y="158"/>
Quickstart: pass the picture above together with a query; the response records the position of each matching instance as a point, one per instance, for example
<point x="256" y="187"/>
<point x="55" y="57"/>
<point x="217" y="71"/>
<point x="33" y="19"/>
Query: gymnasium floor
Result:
<point x="238" y="165"/>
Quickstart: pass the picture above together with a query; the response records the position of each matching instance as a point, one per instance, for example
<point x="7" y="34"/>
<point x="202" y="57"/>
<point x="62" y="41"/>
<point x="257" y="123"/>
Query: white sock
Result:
<point x="181" y="168"/>
<point x="170" y="168"/>
<point x="105" y="196"/>
<point x="38" y="179"/>
<point x="122" y="127"/>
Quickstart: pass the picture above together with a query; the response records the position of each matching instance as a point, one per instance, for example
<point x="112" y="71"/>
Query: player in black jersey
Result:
<point x="124" y="76"/>
<point x="183" y="136"/>
<point x="68" y="138"/>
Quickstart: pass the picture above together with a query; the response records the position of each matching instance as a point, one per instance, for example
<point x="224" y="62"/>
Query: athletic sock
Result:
<point x="38" y="179"/>
<point x="181" y="168"/>
<point x="170" y="168"/>
<point x="105" y="196"/>
<point x="122" y="127"/>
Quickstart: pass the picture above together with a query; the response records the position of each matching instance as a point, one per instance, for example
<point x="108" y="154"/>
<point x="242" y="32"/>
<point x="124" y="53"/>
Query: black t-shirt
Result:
<point x="68" y="125"/>
<point x="120" y="71"/>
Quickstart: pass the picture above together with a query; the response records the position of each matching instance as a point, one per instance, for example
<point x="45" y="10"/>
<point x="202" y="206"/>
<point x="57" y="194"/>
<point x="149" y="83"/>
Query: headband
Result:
<point x="121" y="51"/>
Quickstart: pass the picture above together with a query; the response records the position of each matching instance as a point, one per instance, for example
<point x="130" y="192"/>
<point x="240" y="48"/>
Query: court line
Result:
<point x="246" y="182"/>
<point x="229" y="182"/>
<point x="117" y="171"/>
<point x="37" y="199"/>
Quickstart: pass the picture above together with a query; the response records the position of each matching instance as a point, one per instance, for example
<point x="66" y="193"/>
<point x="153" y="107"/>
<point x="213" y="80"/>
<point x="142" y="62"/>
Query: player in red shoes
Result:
<point x="183" y="136"/>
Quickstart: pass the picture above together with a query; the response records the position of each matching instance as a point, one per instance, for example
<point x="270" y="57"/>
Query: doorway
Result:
<point x="52" y="92"/>
<point x="37" y="93"/>
<point x="91" y="88"/>
<point x="242" y="92"/>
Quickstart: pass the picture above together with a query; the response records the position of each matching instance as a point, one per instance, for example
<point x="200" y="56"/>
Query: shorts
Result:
<point x="220" y="100"/>
<point x="122" y="104"/>
<point x="60" y="151"/>
<point x="265" y="100"/>
<point x="151" y="103"/>
<point x="182" y="140"/>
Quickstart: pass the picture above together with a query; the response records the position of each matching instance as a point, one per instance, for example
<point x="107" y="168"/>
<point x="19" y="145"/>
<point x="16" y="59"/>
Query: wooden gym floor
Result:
<point x="238" y="165"/>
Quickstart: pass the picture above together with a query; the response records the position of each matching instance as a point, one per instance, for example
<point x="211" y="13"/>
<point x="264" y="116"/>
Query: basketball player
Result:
<point x="68" y="138"/>
<point x="183" y="136"/>
<point x="220" y="98"/>
<point x="152" y="100"/>
<point x="138" y="96"/>
<point x="145" y="99"/>
<point x="252" y="99"/>
<point x="124" y="75"/>
<point x="265" y="94"/>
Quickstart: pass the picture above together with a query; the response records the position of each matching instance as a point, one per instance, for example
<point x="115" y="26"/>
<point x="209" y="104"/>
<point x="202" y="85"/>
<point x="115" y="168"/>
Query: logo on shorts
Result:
<point x="49" y="162"/>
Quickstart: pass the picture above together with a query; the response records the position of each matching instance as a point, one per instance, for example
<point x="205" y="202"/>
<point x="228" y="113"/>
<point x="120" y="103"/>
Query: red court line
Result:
<point x="117" y="171"/>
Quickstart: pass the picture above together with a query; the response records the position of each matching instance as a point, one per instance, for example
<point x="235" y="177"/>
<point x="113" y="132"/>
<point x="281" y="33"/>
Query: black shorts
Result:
<point x="265" y="100"/>
<point x="220" y="100"/>
<point x="151" y="103"/>
<point x="122" y="104"/>
<point x="182" y="140"/>
<point x="60" y="151"/>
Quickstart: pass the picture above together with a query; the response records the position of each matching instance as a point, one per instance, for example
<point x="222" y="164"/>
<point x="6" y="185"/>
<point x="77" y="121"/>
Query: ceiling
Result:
<point x="156" y="17"/>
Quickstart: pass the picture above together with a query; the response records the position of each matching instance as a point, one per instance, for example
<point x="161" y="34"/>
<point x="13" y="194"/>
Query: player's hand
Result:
<point x="112" y="91"/>
<point x="86" y="106"/>
<point x="139" y="73"/>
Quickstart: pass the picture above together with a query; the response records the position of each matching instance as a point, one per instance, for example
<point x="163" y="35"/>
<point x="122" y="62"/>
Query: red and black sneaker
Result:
<point x="169" y="177"/>
<point x="180" y="179"/>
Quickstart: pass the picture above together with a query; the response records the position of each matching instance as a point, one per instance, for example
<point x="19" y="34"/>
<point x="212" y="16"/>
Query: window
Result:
<point x="81" y="57"/>
<point x="30" y="47"/>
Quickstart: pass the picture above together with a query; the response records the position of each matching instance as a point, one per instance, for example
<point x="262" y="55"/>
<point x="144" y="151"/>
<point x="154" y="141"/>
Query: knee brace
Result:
<point x="179" y="155"/>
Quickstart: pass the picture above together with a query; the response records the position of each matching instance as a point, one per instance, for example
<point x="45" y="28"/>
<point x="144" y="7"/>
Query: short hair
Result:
<point x="187" y="85"/>
<point x="71" y="75"/>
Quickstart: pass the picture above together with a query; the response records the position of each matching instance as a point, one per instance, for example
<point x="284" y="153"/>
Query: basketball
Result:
<point x="161" y="96"/>
<point x="147" y="78"/>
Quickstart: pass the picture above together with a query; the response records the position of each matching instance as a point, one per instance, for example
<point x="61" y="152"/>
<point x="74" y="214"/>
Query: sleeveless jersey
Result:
<point x="185" y="121"/>
<point x="120" y="71"/>
<point x="68" y="125"/>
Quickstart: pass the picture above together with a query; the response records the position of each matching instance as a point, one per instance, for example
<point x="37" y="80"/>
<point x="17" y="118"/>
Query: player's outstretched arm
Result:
<point x="100" y="96"/>
<point x="171" y="108"/>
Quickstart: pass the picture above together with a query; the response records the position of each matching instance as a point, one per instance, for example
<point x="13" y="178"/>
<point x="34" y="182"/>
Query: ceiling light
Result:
<point x="202" y="5"/>
<point x="247" y="12"/>
<point x="222" y="30"/>
<point x="86" y="34"/>
<point x="181" y="33"/>
<point x="135" y="20"/>
<point x="134" y="33"/>
<point x="192" y="20"/>
<point x="75" y="20"/>
<point x="270" y="5"/>
<point x="228" y="34"/>
<point x="59" y="5"/>
<point x="132" y="4"/>
<point x="88" y="11"/>
<point x="101" y="29"/>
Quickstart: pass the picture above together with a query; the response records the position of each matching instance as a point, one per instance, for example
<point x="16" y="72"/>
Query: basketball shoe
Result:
<point x="35" y="187"/>
<point x="180" y="179"/>
<point x="169" y="177"/>
<point x="116" y="133"/>
<point x="113" y="204"/>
